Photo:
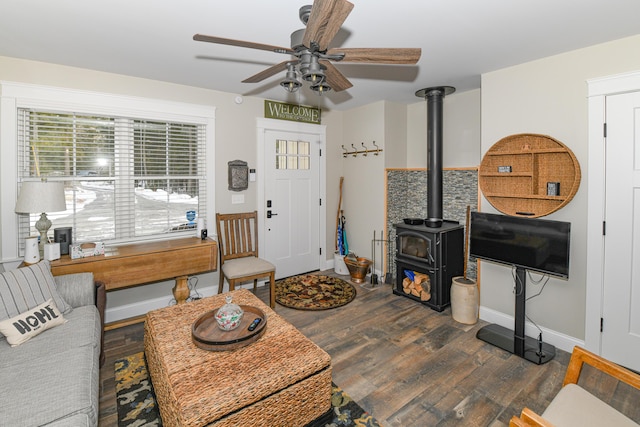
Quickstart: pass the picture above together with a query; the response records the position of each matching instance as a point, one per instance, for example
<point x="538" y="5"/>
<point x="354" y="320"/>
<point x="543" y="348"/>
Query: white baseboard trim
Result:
<point x="558" y="339"/>
<point x="329" y="264"/>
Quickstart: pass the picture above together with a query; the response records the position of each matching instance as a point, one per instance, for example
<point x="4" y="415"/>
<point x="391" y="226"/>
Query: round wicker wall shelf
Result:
<point x="529" y="175"/>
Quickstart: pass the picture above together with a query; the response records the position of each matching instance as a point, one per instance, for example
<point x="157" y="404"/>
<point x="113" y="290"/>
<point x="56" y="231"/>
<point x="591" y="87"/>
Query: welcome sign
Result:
<point x="296" y="113"/>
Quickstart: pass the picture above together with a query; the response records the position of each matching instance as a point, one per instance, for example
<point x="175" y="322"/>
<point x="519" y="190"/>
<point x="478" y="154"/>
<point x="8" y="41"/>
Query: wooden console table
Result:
<point x="142" y="263"/>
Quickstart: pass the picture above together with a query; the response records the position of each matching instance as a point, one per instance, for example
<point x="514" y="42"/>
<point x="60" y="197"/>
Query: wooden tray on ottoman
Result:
<point x="208" y="336"/>
<point x="281" y="379"/>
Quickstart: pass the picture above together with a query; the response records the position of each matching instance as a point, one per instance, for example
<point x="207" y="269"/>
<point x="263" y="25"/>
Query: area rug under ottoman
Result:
<point x="137" y="404"/>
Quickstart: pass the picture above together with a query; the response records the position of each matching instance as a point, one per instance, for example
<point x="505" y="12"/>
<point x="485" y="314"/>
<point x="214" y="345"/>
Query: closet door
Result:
<point x="621" y="284"/>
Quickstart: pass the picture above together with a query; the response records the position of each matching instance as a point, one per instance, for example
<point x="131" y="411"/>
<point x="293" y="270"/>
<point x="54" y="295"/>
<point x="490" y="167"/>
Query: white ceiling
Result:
<point x="460" y="40"/>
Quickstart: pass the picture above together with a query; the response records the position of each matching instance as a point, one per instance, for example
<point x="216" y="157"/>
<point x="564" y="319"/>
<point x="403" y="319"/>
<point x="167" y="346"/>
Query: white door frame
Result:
<point x="265" y="125"/>
<point x="598" y="90"/>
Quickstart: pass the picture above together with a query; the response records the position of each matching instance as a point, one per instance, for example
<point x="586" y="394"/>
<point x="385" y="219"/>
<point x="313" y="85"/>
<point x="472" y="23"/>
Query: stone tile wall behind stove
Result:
<point x="407" y="198"/>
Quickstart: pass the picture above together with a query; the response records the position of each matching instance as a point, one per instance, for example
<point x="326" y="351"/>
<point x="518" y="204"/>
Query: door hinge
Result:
<point x="604" y="228"/>
<point x="601" y="324"/>
<point x="320" y="251"/>
<point x="320" y="152"/>
<point x="321" y="202"/>
<point x="604" y="129"/>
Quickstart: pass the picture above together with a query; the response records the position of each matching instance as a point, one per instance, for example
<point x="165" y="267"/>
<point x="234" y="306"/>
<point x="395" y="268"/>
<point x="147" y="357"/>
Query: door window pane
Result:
<point x="292" y="155"/>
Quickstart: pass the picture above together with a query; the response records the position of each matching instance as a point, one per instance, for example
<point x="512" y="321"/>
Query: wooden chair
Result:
<point x="238" y="247"/>
<point x="573" y="405"/>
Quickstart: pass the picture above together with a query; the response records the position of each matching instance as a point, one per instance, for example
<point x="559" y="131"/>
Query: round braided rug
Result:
<point x="314" y="292"/>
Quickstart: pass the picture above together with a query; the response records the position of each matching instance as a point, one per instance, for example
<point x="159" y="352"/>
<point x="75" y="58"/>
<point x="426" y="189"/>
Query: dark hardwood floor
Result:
<point x="406" y="364"/>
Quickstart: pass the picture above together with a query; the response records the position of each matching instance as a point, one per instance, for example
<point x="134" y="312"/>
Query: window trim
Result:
<point x="22" y="95"/>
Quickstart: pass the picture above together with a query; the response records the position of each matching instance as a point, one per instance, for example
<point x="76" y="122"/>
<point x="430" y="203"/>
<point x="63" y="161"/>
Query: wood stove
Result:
<point x="431" y="257"/>
<point x="430" y="254"/>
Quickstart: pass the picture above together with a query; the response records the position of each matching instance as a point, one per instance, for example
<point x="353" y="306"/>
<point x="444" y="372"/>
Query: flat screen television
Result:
<point x="530" y="243"/>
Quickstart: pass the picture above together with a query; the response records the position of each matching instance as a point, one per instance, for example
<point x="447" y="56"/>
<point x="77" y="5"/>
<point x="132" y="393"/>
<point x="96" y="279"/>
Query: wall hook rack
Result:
<point x="364" y="152"/>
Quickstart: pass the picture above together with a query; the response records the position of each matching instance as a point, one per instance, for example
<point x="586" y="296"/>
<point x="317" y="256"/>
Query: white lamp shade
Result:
<point x="41" y="196"/>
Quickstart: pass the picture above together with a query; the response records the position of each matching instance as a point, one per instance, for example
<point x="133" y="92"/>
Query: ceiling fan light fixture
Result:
<point x="290" y="85"/>
<point x="321" y="88"/>
<point x="312" y="71"/>
<point x="291" y="82"/>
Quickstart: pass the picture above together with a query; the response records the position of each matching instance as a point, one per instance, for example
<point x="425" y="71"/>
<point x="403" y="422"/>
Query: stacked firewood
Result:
<point x="419" y="287"/>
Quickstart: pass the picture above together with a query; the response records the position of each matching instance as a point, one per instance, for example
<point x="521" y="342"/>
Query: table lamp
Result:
<point x="41" y="196"/>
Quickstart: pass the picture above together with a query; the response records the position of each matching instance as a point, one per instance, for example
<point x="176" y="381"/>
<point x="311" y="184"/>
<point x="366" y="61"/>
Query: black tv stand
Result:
<point x="516" y="341"/>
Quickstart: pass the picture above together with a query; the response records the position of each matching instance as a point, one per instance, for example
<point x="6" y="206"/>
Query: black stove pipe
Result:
<point x="434" y="97"/>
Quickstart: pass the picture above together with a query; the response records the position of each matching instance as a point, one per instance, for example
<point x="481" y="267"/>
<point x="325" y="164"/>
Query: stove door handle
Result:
<point x="431" y="259"/>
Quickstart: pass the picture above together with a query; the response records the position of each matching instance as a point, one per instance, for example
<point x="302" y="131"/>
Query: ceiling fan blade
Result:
<point x="240" y="43"/>
<point x="327" y="16"/>
<point x="335" y="78"/>
<point x="379" y="55"/>
<point x="271" y="71"/>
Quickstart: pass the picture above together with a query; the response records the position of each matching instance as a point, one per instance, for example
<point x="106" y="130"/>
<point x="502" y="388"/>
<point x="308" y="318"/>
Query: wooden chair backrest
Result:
<point x="237" y="235"/>
<point x="580" y="356"/>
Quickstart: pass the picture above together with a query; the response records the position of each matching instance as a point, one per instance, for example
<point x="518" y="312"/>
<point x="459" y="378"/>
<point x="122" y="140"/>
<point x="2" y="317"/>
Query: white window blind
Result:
<point x="126" y="178"/>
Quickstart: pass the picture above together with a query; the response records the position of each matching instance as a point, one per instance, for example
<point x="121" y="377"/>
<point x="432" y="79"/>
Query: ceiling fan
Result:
<point x="312" y="57"/>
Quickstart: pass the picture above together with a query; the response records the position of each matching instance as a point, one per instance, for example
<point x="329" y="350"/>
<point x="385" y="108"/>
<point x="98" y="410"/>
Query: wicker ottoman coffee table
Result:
<point x="282" y="379"/>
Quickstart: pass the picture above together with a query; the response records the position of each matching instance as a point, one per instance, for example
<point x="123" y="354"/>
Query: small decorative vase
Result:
<point x="229" y="315"/>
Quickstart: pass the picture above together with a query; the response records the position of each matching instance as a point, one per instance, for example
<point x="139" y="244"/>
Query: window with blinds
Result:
<point x="126" y="178"/>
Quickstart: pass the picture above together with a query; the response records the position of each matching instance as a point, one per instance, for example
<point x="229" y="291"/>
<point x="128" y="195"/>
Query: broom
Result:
<point x="338" y="225"/>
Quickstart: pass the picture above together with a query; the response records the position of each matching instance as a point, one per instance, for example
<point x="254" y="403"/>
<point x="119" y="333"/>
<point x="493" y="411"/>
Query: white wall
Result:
<point x="363" y="189"/>
<point x="395" y="135"/>
<point x="461" y="131"/>
<point x="334" y="172"/>
<point x="549" y="96"/>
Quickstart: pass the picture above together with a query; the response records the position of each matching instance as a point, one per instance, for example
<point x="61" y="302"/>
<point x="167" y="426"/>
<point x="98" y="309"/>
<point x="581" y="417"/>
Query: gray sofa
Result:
<point x="53" y="378"/>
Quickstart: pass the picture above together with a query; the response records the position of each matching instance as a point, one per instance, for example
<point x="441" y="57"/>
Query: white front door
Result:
<point x="621" y="294"/>
<point x="292" y="200"/>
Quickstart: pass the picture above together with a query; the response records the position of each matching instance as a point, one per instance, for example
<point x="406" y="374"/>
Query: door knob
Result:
<point x="269" y="214"/>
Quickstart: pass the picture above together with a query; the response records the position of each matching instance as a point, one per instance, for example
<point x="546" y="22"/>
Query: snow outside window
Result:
<point x="125" y="178"/>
